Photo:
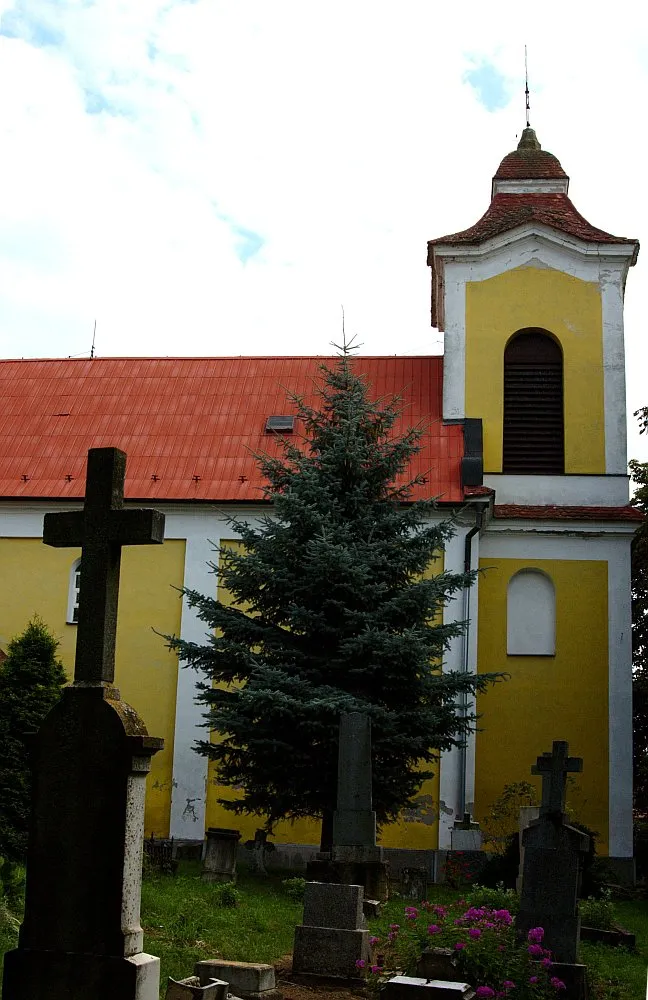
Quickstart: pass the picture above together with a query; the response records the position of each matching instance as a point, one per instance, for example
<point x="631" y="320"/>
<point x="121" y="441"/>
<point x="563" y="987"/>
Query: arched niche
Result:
<point x="533" y="429"/>
<point x="531" y="614"/>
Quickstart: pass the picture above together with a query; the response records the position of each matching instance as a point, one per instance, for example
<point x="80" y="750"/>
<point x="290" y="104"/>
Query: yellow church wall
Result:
<point x="35" y="580"/>
<point x="416" y="828"/>
<point x="568" y="689"/>
<point x="570" y="309"/>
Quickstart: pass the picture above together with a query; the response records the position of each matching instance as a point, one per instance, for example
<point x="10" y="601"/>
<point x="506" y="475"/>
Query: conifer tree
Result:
<point x="333" y="611"/>
<point x="31" y="678"/>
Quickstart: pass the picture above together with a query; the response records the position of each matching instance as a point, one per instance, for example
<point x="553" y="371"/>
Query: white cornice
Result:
<point x="545" y="185"/>
<point x="611" y="252"/>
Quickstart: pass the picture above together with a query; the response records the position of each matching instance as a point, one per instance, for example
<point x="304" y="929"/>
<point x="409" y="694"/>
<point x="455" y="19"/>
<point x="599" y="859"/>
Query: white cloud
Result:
<point x="141" y="141"/>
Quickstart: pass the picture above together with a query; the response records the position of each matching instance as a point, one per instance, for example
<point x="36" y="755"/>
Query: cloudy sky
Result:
<point x="219" y="176"/>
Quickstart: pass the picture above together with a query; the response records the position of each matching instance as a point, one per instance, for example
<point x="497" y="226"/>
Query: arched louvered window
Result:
<point x="533" y="404"/>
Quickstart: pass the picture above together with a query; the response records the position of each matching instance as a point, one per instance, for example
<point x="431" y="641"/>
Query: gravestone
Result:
<point x="247" y="980"/>
<point x="260" y="848"/>
<point x="411" y="988"/>
<point x="81" y="937"/>
<point x="192" y="989"/>
<point x="220" y="854"/>
<point x="527" y="815"/>
<point x="465" y="835"/>
<point x="553" y="860"/>
<point x="333" y="936"/>
<point x="354" y="858"/>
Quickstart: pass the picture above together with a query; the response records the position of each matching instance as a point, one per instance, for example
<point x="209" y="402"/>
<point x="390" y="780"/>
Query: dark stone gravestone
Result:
<point x="355" y="859"/>
<point x="220" y="854"/>
<point x="81" y="937"/>
<point x="553" y="858"/>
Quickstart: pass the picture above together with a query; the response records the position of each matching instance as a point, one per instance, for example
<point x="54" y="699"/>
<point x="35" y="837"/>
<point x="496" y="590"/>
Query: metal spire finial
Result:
<point x="526" y="88"/>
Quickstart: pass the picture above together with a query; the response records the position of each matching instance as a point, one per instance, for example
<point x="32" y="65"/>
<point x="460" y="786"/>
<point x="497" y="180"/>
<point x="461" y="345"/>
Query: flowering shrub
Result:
<point x="459" y="869"/>
<point x="486" y="951"/>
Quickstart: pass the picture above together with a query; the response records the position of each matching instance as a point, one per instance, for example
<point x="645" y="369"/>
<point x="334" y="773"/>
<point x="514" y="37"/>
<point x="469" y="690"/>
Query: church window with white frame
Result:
<point x="531" y="614"/>
<point x="73" y="593"/>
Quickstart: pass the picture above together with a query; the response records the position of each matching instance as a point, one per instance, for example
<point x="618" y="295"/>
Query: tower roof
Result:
<point x="529" y="161"/>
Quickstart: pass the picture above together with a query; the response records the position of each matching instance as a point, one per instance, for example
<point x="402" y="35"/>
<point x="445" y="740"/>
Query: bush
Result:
<point x="598" y="913"/>
<point x="499" y="898"/>
<point x="294" y="888"/>
<point x="489" y="955"/>
<point x="503" y="866"/>
<point x="227" y="894"/>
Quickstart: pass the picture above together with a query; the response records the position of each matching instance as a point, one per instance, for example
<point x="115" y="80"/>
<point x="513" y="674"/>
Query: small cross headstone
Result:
<point x="81" y="937"/>
<point x="553" y="859"/>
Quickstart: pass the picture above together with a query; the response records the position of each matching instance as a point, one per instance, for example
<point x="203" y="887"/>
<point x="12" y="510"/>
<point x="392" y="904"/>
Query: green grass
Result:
<point x="184" y="923"/>
<point x="617" y="974"/>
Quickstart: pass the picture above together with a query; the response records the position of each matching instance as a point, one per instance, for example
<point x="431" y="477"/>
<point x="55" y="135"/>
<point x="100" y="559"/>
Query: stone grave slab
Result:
<point x="411" y="988"/>
<point x="220" y="854"/>
<point x="192" y="989"/>
<point x="249" y="980"/>
<point x="333" y="936"/>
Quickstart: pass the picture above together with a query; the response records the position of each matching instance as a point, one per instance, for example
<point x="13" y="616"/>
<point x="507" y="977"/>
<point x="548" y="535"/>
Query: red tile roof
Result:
<point x="180" y="418"/>
<point x="508" y="211"/>
<point x="529" y="164"/>
<point x="553" y="513"/>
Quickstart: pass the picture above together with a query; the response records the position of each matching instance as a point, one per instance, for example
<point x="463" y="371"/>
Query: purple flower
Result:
<point x="535" y="950"/>
<point x="360" y="963"/>
<point x="503" y="916"/>
<point x="557" y="983"/>
<point x="535" y="935"/>
<point x="533" y="979"/>
<point x="547" y="962"/>
<point x="434" y="929"/>
<point x="459" y="945"/>
<point x="394" y="927"/>
<point x="474" y="932"/>
<point x="484" y="991"/>
<point x="373" y="941"/>
<point x="508" y="984"/>
<point x="440" y="911"/>
<point x="376" y="969"/>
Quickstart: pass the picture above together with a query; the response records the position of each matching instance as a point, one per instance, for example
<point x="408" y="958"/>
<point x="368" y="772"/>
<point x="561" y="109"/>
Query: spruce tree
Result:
<point x="333" y="610"/>
<point x="31" y="678"/>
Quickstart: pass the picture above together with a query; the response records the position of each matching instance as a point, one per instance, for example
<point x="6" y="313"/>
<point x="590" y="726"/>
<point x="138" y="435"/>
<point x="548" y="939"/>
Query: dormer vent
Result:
<point x="280" y="424"/>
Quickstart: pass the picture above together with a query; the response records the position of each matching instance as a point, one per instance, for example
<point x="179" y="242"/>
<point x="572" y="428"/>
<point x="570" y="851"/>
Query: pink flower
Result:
<point x="434" y="929"/>
<point x="374" y="941"/>
<point x="484" y="991"/>
<point x="547" y="962"/>
<point x="557" y="983"/>
<point x="459" y="945"/>
<point x="508" y="984"/>
<point x="533" y="979"/>
<point x="535" y="935"/>
<point x="376" y="969"/>
<point x="394" y="927"/>
<point x="474" y="932"/>
<point x="535" y="950"/>
<point x="360" y="963"/>
<point x="440" y="911"/>
<point x="503" y="916"/>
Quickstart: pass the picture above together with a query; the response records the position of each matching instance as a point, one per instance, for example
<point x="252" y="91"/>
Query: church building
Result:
<point x="525" y="444"/>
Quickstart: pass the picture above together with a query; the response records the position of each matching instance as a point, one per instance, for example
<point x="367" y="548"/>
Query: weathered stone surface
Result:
<point x="437" y="963"/>
<point x="192" y="989"/>
<point x="46" y="975"/>
<point x="354" y="822"/>
<point x="330" y="951"/>
<point x="409" y="988"/>
<point x="243" y="977"/>
<point x="329" y="905"/>
<point x="220" y="855"/>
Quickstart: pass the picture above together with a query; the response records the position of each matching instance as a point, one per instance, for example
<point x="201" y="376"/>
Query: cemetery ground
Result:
<point x="186" y="919"/>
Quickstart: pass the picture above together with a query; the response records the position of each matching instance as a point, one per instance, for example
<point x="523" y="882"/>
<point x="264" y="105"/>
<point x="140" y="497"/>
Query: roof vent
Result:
<point x="280" y="424"/>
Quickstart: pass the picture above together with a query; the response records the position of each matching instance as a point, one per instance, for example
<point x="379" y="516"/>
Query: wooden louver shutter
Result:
<point x="533" y="405"/>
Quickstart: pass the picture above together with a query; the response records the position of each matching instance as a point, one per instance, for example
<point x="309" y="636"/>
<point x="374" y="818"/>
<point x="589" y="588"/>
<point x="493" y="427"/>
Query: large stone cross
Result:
<point x="554" y="768"/>
<point x="100" y="529"/>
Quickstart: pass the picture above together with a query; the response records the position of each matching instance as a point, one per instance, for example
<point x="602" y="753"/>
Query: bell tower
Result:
<point x="530" y="301"/>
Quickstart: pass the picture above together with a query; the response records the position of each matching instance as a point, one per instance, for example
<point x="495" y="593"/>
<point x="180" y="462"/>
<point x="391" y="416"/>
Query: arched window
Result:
<point x="73" y="593"/>
<point x="531" y="614"/>
<point x="533" y="404"/>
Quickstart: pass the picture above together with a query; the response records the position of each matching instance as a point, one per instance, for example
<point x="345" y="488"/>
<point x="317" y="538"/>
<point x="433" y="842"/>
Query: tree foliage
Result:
<point x="31" y="678"/>
<point x="332" y="611"/>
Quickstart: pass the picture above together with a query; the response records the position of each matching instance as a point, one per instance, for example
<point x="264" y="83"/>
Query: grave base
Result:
<point x="329" y="951"/>
<point x="40" y="975"/>
<point x="575" y="979"/>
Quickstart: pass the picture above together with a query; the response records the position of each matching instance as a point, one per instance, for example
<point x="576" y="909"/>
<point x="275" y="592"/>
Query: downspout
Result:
<point x="463" y="697"/>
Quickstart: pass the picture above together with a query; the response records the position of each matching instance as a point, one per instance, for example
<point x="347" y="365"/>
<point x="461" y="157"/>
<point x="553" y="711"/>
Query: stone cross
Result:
<point x="554" y="768"/>
<point x="100" y="529"/>
<point x="81" y="937"/>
